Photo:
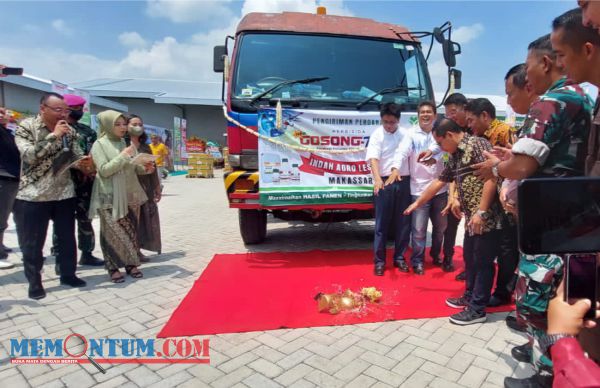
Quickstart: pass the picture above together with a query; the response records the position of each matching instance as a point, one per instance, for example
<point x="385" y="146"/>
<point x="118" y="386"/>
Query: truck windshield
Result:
<point x="356" y="69"/>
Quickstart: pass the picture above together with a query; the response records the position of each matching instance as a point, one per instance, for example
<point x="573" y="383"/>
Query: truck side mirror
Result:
<point x="457" y="74"/>
<point x="451" y="50"/>
<point x="219" y="55"/>
<point x="438" y="35"/>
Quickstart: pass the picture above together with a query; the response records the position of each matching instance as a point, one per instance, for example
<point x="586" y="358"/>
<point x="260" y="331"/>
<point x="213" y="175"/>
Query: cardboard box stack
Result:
<point x="226" y="166"/>
<point x="200" y="166"/>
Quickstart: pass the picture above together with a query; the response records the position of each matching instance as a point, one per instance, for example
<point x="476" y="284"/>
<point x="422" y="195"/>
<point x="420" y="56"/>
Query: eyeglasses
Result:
<point x="58" y="110"/>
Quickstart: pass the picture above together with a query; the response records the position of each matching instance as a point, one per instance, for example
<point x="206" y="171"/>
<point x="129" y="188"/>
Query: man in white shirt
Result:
<point x="391" y="188"/>
<point x="421" y="175"/>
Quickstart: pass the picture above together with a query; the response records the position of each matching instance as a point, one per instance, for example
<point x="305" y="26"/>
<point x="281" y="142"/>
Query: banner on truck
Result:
<point x="311" y="173"/>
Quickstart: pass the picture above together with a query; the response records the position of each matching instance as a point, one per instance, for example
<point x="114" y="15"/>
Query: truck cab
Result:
<point x="314" y="62"/>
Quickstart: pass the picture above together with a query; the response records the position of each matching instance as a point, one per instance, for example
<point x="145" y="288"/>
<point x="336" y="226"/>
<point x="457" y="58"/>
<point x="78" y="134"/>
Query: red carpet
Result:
<point x="264" y="291"/>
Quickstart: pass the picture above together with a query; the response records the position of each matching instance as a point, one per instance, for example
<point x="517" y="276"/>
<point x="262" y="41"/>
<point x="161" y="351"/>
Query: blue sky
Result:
<point x="82" y="40"/>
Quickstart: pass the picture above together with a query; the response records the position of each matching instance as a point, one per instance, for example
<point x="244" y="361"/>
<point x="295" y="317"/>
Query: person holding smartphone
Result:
<point x="576" y="40"/>
<point x="553" y="143"/>
<point x="572" y="369"/>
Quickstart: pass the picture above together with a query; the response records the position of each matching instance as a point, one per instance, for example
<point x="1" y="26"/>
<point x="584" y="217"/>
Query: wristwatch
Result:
<point x="495" y="170"/>
<point x="482" y="213"/>
<point x="547" y="340"/>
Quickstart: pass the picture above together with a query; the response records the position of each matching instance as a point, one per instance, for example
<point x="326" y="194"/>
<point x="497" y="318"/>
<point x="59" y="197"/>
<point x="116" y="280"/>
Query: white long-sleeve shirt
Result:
<point x="383" y="146"/>
<point x="421" y="175"/>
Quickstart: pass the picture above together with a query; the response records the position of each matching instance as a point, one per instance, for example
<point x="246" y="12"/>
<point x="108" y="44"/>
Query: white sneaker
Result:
<point x="6" y="265"/>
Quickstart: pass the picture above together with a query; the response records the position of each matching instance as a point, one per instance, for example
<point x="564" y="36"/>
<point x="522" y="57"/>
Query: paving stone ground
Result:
<point x="196" y="224"/>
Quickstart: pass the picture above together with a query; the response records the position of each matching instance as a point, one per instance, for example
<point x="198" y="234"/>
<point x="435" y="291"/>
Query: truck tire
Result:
<point x="253" y="225"/>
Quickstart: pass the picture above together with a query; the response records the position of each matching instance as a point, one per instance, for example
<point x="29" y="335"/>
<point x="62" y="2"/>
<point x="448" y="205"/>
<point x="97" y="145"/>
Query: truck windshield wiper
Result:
<point x="283" y="83"/>
<point x="382" y="92"/>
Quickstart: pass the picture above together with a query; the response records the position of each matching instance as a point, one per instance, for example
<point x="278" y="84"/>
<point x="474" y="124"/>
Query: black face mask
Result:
<point x="76" y="114"/>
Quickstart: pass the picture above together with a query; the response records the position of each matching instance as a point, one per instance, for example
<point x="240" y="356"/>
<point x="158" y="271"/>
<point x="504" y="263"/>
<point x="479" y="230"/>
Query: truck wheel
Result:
<point x="253" y="225"/>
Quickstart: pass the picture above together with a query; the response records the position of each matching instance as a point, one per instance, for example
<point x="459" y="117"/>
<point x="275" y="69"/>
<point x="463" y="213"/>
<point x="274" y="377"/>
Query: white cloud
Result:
<point x="438" y="70"/>
<point x="132" y="39"/>
<point x="59" y="65"/>
<point x="169" y="57"/>
<point x="465" y="34"/>
<point x="334" y="7"/>
<point x="60" y="26"/>
<point x="190" y="11"/>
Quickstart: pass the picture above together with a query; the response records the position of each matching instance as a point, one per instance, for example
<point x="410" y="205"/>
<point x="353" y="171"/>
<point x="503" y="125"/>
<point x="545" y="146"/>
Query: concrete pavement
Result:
<point x="196" y="224"/>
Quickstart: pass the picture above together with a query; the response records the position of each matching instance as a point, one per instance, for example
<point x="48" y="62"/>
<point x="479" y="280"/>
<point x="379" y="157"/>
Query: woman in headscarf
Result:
<point x="148" y="227"/>
<point x="117" y="196"/>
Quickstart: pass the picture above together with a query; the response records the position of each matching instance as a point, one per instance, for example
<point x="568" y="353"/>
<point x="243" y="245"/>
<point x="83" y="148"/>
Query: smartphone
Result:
<point x="581" y="280"/>
<point x="559" y="215"/>
<point x="11" y="71"/>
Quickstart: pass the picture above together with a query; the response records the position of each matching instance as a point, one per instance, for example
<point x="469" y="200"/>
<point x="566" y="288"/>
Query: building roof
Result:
<point x="162" y="91"/>
<point x="44" y="85"/>
<point x="321" y="24"/>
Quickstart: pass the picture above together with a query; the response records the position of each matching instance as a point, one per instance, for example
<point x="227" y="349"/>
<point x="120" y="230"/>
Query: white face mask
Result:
<point x="135" y="130"/>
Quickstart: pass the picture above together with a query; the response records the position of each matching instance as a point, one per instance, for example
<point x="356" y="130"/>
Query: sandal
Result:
<point x="116" y="276"/>
<point x="134" y="272"/>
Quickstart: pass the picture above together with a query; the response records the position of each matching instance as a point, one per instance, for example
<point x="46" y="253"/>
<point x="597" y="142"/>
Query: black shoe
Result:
<point x="89" y="259"/>
<point x="379" y="270"/>
<point x="457" y="303"/>
<point x="419" y="270"/>
<point x="437" y="261"/>
<point x="36" y="291"/>
<point x="461" y="277"/>
<point x="522" y="353"/>
<point x="496" y="301"/>
<point x="72" y="281"/>
<point x="468" y="317"/>
<point x="447" y="266"/>
<point x="535" y="381"/>
<point x="514" y="324"/>
<point x="401" y="265"/>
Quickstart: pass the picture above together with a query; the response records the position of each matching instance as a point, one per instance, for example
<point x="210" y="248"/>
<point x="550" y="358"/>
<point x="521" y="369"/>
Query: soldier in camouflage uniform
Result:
<point x="559" y="122"/>
<point x="86" y="239"/>
<point x="561" y="119"/>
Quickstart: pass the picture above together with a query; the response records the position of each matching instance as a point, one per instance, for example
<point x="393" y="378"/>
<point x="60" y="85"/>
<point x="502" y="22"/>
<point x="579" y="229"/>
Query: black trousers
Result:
<point x="32" y="219"/>
<point x="508" y="259"/>
<point x="450" y="235"/>
<point x="8" y="192"/>
<point x="480" y="251"/>
<point x="390" y="203"/>
<point x="86" y="238"/>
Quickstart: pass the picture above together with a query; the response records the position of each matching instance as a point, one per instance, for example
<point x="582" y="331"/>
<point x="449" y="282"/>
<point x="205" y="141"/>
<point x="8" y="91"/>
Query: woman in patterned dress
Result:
<point x="117" y="195"/>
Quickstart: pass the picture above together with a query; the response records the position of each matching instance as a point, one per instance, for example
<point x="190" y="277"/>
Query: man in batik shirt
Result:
<point x="481" y="118"/>
<point x="483" y="217"/>
<point x="553" y="144"/>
